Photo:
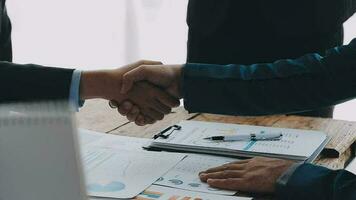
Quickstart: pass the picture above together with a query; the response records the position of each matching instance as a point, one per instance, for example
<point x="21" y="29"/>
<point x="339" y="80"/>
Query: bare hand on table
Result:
<point x="257" y="175"/>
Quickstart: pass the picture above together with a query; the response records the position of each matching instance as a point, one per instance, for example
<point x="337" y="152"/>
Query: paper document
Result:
<point x="86" y="137"/>
<point x="185" y="174"/>
<point x="115" y="142"/>
<point x="295" y="144"/>
<point x="124" y="174"/>
<point x="164" y="193"/>
<point x="156" y="192"/>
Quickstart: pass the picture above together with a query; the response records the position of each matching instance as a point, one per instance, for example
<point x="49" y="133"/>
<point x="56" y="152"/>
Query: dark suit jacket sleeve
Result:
<point x="32" y="82"/>
<point x="331" y="14"/>
<point x="310" y="182"/>
<point x="286" y="86"/>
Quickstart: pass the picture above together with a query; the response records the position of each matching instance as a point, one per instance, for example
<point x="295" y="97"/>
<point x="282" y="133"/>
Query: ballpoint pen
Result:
<point x="246" y="137"/>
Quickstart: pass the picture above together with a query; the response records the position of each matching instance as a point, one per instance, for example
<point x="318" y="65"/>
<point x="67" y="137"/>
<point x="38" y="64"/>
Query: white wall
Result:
<point x="95" y="34"/>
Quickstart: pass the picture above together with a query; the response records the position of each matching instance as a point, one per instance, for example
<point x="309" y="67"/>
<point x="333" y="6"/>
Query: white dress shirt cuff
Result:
<point x="74" y="93"/>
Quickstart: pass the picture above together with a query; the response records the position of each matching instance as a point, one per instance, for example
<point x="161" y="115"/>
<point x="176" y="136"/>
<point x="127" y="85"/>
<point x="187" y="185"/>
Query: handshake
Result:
<point x="144" y="91"/>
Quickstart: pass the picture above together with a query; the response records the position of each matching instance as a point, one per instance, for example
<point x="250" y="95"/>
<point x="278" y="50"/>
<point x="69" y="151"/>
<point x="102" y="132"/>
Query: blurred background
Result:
<point x="92" y="34"/>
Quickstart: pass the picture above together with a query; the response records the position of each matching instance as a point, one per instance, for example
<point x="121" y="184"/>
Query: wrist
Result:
<point x="175" y="75"/>
<point x="99" y="84"/>
<point x="180" y="80"/>
<point x="284" y="178"/>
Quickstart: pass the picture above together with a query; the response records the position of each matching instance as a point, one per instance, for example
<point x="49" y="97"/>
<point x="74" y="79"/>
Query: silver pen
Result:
<point x="246" y="137"/>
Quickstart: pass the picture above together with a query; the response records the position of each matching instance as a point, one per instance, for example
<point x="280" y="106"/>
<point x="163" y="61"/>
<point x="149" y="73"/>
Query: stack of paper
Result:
<point x="156" y="192"/>
<point x="123" y="173"/>
<point x="301" y="145"/>
<point x="165" y="193"/>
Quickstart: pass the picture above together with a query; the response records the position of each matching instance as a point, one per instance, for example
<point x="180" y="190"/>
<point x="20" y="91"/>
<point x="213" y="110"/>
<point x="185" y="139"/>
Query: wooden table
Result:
<point x="96" y="115"/>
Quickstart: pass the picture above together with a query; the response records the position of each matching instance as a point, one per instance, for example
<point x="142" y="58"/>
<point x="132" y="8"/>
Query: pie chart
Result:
<point x="113" y="186"/>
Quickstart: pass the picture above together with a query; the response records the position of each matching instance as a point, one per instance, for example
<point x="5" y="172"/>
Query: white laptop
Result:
<point x="39" y="158"/>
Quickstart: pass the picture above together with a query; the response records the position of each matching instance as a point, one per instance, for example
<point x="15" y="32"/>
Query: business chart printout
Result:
<point x="185" y="174"/>
<point x="123" y="174"/>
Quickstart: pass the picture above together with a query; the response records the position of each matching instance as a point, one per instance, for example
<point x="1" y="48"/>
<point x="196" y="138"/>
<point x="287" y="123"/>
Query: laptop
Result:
<point x="39" y="156"/>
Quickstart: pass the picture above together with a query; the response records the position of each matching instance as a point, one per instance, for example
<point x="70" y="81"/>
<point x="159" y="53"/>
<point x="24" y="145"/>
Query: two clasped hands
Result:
<point x="144" y="91"/>
<point x="167" y="78"/>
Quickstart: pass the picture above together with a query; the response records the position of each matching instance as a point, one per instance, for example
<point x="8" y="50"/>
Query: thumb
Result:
<point x="134" y="65"/>
<point x="130" y="77"/>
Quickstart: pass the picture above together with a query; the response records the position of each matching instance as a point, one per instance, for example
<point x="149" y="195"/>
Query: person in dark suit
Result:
<point x="282" y="87"/>
<point x="257" y="31"/>
<point x="35" y="83"/>
<point x="285" y="86"/>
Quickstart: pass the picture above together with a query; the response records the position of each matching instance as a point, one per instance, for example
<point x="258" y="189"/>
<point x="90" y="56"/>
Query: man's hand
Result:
<point x="167" y="77"/>
<point x="164" y="76"/>
<point x="257" y="175"/>
<point x="150" y="102"/>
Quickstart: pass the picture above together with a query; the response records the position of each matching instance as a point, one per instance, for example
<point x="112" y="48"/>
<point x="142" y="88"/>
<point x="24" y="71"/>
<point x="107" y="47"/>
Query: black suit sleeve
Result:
<point x="310" y="182"/>
<point x="286" y="86"/>
<point x="33" y="83"/>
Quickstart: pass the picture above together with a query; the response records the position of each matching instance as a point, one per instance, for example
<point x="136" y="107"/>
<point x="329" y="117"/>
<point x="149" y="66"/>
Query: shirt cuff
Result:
<point x="284" y="178"/>
<point x="74" y="97"/>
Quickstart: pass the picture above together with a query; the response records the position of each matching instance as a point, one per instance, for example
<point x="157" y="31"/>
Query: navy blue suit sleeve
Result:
<point x="33" y="83"/>
<point x="283" y="87"/>
<point x="310" y="182"/>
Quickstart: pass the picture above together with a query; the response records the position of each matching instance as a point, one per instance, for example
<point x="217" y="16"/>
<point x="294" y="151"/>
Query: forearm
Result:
<point x="285" y="86"/>
<point x="36" y="83"/>
<point x="99" y="84"/>
<point x="314" y="182"/>
<point x="33" y="83"/>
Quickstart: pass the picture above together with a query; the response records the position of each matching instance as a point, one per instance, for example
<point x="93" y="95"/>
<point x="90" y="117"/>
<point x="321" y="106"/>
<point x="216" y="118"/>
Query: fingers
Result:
<point x="140" y="120"/>
<point x="151" y="101"/>
<point x="239" y="166"/>
<point x="135" y="75"/>
<point x="228" y="184"/>
<point x="135" y="72"/>
<point x="156" y="112"/>
<point x="153" y="114"/>
<point x="139" y="63"/>
<point x="242" y="161"/>
<point x="125" y="108"/>
<point x="158" y="106"/>
<point x="221" y="175"/>
<point x="164" y="100"/>
<point x="257" y="175"/>
<point x="149" y="120"/>
<point x="148" y="62"/>
<point x="133" y="114"/>
<point x="168" y="100"/>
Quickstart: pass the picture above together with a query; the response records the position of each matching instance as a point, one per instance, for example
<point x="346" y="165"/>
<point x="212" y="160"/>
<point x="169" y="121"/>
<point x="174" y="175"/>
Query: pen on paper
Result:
<point x="247" y="137"/>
